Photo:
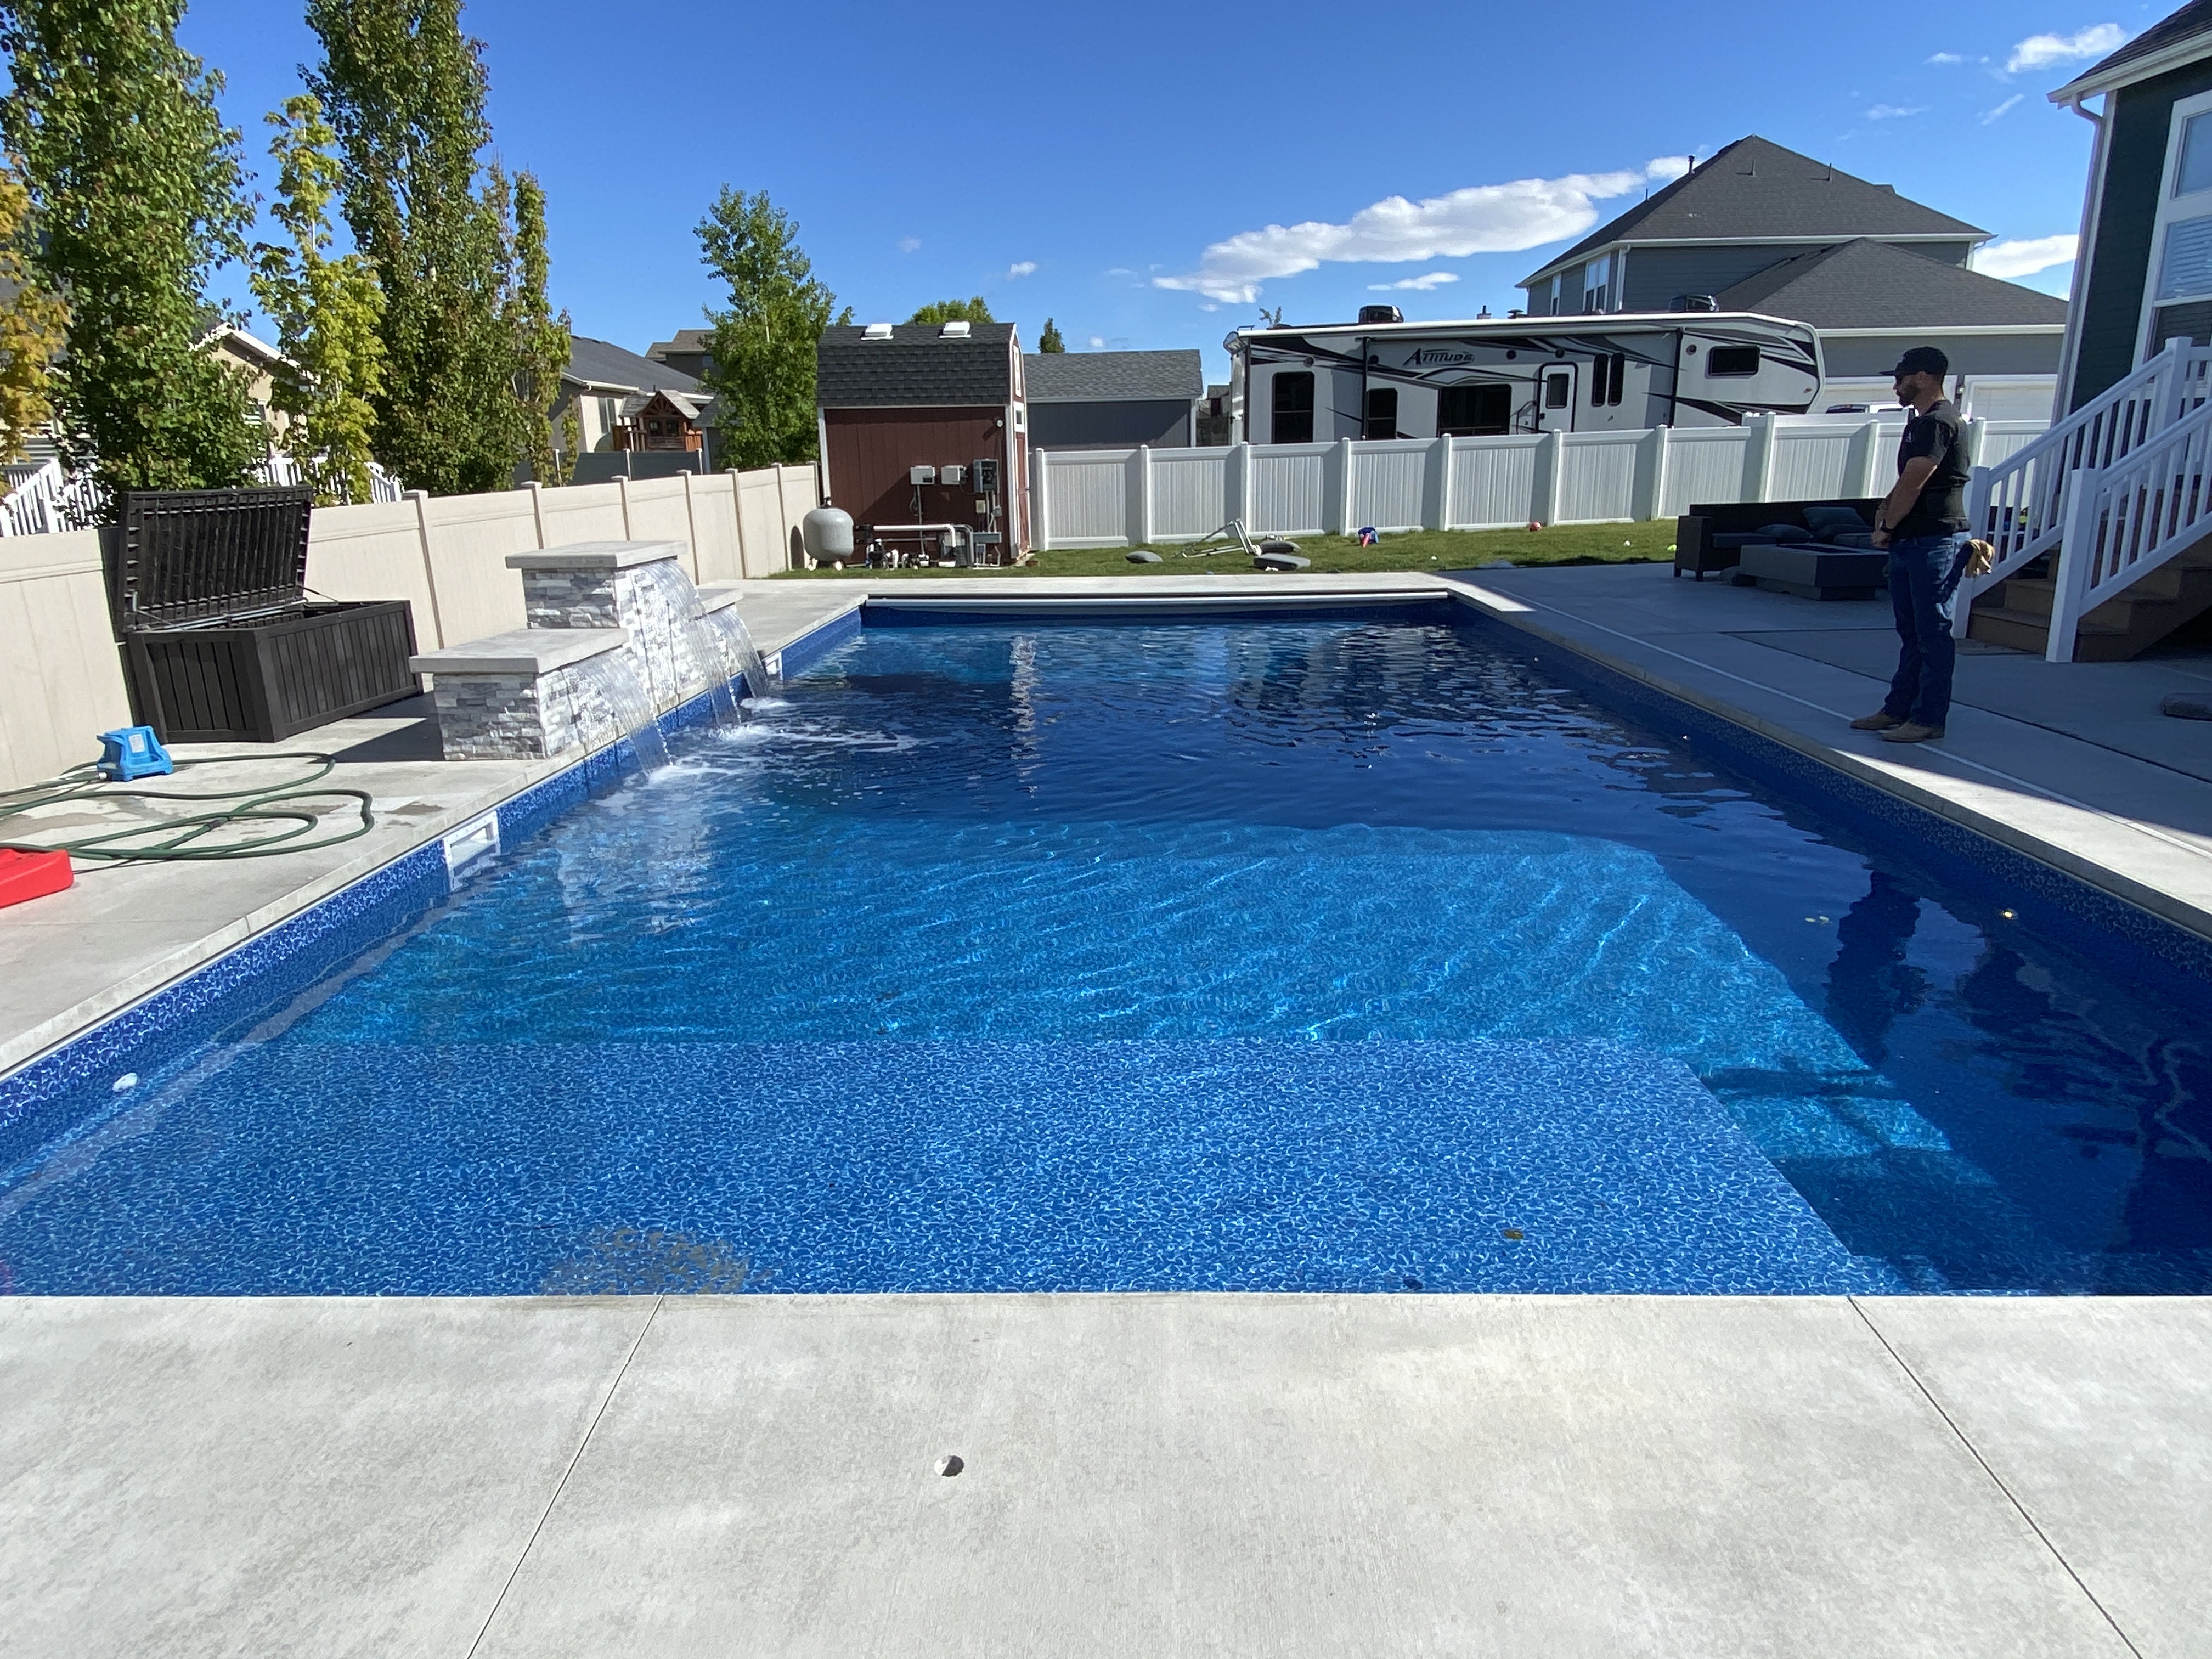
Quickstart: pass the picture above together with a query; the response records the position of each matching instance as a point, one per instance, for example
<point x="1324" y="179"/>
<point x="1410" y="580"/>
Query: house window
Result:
<point x="2186" y="269"/>
<point x="1293" y="409"/>
<point x="1555" y="296"/>
<point x="1597" y="278"/>
<point x="610" y="413"/>
<point x="1382" y="412"/>
<point x="1559" y="390"/>
<point x="1732" y="361"/>
<point x="1475" y="412"/>
<point x="2194" y="171"/>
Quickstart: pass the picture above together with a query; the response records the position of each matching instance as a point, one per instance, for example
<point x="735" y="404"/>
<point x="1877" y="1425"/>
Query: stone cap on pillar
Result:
<point x="527" y="651"/>
<point x="596" y="556"/>
<point x="717" y="596"/>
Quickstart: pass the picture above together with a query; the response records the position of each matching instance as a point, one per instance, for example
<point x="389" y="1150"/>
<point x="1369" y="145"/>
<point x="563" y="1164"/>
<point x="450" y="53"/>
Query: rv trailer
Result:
<point x="1622" y="371"/>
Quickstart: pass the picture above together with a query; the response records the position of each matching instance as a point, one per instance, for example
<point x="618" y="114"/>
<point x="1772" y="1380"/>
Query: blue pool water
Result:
<point x="1349" y="954"/>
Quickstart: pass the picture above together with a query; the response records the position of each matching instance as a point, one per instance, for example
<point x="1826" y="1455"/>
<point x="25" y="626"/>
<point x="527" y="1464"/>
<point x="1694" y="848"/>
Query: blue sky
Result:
<point x="1119" y="168"/>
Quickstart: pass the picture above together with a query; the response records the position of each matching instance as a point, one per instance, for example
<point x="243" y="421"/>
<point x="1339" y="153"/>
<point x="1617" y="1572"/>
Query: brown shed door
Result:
<point x="871" y="451"/>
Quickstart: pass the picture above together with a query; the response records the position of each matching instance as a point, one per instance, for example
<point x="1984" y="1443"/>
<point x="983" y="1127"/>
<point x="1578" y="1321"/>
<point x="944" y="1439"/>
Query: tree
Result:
<point x="1050" y="340"/>
<point x="954" y="311"/>
<point x="405" y="90"/>
<point x="33" y="322"/>
<point x="541" y="340"/>
<point x="761" y="348"/>
<point x="136" y="188"/>
<point x="327" y="314"/>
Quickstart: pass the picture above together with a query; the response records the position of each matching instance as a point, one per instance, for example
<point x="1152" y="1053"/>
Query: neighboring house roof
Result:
<point x="2177" y="39"/>
<point x="686" y="340"/>
<point x="1755" y="190"/>
<point x="1865" y="283"/>
<point x="916" y="367"/>
<point x="1100" y="377"/>
<point x="601" y="365"/>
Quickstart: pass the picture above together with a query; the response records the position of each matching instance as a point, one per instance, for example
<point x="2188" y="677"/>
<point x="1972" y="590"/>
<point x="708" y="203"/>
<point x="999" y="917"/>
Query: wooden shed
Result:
<point x="894" y="397"/>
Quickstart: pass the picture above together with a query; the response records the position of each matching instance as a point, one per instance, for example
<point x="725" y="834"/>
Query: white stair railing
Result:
<point x="2123" y="522"/>
<point x="2018" y="505"/>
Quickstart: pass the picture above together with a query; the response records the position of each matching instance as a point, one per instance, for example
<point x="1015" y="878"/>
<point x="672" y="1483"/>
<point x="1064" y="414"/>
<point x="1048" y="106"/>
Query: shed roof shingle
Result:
<point x="1098" y="377"/>
<point x="1865" y="283"/>
<point x="1756" y="191"/>
<point x="916" y="367"/>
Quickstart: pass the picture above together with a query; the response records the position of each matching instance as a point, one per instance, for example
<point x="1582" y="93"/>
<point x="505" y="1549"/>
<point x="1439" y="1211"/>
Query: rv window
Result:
<point x="1382" y="412"/>
<point x="1617" y="372"/>
<point x="1473" y="412"/>
<point x="1293" y="409"/>
<point x="1557" y="388"/>
<point x="2194" y="172"/>
<point x="1605" y="372"/>
<point x="1732" y="360"/>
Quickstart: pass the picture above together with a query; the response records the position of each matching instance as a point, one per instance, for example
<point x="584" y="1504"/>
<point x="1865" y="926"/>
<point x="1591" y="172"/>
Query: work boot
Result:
<point x="1908" y="732"/>
<point x="1876" y="722"/>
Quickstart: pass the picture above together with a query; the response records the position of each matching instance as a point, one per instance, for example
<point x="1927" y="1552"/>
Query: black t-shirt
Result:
<point x="1940" y="436"/>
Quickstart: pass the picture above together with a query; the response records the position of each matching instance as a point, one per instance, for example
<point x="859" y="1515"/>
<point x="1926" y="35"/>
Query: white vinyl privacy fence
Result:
<point x="1125" y="497"/>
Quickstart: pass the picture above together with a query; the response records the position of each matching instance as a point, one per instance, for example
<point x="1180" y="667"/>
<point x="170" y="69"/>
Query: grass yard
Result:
<point x="1414" y="550"/>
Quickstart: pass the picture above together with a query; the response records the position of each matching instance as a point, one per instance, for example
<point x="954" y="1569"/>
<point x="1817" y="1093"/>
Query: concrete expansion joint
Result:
<point x="1858" y="1306"/>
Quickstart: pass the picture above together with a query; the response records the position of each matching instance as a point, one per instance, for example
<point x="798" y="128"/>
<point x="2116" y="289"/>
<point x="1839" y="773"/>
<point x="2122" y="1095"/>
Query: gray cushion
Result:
<point x="1829" y="522"/>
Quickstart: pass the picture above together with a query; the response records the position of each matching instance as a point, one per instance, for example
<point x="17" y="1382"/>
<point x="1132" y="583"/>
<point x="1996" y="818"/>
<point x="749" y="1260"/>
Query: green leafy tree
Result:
<point x="327" y="312"/>
<point x="405" y="90"/>
<point x="1050" y="340"/>
<point x="541" y="339"/>
<point x="761" y="348"/>
<point x="33" y="324"/>
<point x="955" y="311"/>
<point x="137" y="194"/>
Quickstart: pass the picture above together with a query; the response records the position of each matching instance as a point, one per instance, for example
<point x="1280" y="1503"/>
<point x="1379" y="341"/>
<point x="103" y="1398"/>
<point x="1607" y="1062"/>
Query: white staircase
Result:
<point x="2113" y="493"/>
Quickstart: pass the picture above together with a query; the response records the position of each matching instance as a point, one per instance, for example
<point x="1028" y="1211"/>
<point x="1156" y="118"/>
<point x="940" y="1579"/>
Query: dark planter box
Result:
<point x="266" y="680"/>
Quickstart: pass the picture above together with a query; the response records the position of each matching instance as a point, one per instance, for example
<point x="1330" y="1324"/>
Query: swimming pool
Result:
<point x="1344" y="953"/>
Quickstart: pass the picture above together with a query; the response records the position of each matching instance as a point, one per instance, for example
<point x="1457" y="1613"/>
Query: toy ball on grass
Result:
<point x="1536" y="525"/>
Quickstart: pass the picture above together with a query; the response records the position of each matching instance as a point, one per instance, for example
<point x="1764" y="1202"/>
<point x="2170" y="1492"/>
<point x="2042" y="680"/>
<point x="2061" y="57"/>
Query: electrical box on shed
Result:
<point x="984" y="473"/>
<point x="950" y="474"/>
<point x="918" y="476"/>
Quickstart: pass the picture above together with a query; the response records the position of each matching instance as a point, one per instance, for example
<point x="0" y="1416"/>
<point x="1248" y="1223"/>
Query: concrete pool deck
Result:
<point x="1175" y="1474"/>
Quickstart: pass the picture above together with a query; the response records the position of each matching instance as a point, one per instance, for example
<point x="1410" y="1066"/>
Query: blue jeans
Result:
<point x="1924" y="583"/>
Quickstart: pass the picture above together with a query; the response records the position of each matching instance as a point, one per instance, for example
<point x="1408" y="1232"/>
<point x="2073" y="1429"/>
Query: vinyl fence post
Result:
<point x="1658" y="443"/>
<point x="737" y="516"/>
<point x="1345" y="507"/>
<point x="1758" y="456"/>
<point x="1040" y="500"/>
<point x="1436" y="511"/>
<point x="1240" y="483"/>
<point x="691" y="528"/>
<point x="621" y="483"/>
<point x="1869" y="458"/>
<point x="1139" y="523"/>
<point x="537" y="510"/>
<point x="422" y="500"/>
<point x="1977" y="430"/>
<point x="1551" y="477"/>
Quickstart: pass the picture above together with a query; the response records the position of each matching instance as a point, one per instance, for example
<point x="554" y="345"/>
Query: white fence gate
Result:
<point x="1126" y="497"/>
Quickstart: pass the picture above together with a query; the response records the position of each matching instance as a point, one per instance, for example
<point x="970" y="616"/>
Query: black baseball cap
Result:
<point x="1922" y="360"/>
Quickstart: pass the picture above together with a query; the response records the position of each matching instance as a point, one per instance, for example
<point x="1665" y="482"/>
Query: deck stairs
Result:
<point x="2102" y="527"/>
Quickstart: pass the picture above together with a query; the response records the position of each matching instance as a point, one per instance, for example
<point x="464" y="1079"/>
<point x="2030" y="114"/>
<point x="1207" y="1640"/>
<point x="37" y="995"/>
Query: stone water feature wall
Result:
<point x="617" y="635"/>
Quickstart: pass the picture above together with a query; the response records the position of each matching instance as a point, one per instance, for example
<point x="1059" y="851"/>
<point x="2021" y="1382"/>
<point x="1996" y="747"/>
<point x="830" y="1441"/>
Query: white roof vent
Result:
<point x="877" y="332"/>
<point x="953" y="331"/>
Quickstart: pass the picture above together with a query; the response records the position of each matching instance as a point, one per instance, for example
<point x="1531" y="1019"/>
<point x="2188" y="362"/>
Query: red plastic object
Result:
<point x="32" y="875"/>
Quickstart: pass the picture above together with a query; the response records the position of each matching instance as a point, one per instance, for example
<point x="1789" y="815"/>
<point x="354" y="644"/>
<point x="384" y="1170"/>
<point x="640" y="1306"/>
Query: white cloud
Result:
<point x="2041" y="51"/>
<point x="1947" y="58"/>
<point x="1099" y="343"/>
<point x="2002" y="110"/>
<point x="1419" y="284"/>
<point x="2024" y="258"/>
<point x="1893" y="113"/>
<point x="1022" y="268"/>
<point x="1482" y="219"/>
<point x="908" y="244"/>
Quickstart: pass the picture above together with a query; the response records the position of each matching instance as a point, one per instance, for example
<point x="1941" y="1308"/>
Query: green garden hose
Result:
<point x="179" y="833"/>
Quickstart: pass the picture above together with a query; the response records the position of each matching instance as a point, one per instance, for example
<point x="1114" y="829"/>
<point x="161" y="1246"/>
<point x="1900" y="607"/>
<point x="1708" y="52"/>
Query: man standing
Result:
<point x="1923" y="523"/>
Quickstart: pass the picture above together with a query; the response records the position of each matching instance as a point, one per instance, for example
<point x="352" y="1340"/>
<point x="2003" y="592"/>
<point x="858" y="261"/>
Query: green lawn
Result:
<point x="1415" y="550"/>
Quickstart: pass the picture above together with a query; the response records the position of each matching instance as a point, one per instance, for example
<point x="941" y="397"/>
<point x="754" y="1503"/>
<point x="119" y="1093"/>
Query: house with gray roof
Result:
<point x="2143" y="275"/>
<point x="1114" y="399"/>
<point x="607" y="387"/>
<point x="1761" y="228"/>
